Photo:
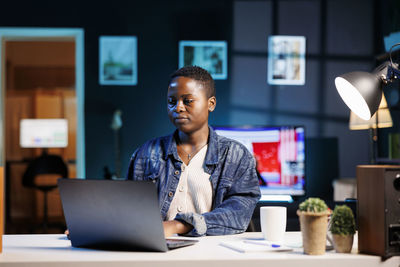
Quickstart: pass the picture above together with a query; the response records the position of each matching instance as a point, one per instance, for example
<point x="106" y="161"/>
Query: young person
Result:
<point x="207" y="184"/>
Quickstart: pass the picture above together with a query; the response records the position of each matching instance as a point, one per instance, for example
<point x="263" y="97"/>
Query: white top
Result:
<point x="194" y="191"/>
<point x="56" y="251"/>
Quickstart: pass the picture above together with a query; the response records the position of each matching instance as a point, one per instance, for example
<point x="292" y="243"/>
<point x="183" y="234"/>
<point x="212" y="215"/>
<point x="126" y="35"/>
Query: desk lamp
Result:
<point x="381" y="119"/>
<point x="362" y="91"/>
<point x="378" y="224"/>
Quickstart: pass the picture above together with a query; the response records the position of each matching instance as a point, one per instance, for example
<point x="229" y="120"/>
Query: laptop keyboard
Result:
<point x="178" y="243"/>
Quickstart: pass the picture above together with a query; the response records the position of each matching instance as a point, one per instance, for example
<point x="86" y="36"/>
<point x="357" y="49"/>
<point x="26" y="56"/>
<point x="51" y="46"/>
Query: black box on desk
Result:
<point x="378" y="209"/>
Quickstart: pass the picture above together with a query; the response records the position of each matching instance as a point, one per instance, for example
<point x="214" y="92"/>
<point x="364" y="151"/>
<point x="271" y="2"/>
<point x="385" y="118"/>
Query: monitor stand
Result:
<point x="276" y="198"/>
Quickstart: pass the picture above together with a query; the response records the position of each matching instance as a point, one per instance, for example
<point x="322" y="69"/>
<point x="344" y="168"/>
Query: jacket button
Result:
<point x="176" y="172"/>
<point x="170" y="194"/>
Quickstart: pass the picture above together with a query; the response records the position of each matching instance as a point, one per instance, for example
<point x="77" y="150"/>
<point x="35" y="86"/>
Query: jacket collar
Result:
<point x="172" y="149"/>
<point x="212" y="154"/>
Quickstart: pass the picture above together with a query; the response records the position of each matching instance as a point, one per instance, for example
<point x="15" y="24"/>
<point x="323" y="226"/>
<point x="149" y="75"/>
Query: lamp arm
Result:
<point x="392" y="74"/>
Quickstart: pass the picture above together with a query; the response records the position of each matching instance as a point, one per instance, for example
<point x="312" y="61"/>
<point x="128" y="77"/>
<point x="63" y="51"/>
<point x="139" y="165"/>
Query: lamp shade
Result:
<point x="381" y="119"/>
<point x="361" y="92"/>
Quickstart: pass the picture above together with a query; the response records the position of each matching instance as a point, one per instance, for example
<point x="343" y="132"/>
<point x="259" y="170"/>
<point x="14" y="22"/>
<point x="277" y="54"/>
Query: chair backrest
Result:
<point x="44" y="164"/>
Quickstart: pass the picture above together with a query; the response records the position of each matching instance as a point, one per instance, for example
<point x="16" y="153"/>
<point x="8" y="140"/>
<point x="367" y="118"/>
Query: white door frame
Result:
<point x="48" y="34"/>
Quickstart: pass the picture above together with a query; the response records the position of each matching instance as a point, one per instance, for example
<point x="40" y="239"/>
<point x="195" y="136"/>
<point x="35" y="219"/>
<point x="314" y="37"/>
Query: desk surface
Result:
<point x="56" y="250"/>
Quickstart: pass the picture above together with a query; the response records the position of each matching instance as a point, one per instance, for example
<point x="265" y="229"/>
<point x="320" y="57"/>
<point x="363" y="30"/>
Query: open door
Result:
<point x="41" y="91"/>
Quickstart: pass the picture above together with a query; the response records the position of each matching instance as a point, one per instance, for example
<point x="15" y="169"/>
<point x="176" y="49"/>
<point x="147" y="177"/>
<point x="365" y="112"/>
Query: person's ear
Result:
<point x="212" y="102"/>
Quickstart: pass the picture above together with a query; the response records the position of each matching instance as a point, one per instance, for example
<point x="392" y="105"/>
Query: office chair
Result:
<point x="44" y="164"/>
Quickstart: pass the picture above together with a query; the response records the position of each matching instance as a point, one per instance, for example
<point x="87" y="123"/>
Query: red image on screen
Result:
<point x="267" y="156"/>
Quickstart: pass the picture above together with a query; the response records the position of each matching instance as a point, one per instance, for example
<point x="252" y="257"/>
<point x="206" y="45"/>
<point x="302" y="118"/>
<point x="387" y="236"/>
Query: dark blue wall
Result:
<point x="159" y="25"/>
<point x="340" y="38"/>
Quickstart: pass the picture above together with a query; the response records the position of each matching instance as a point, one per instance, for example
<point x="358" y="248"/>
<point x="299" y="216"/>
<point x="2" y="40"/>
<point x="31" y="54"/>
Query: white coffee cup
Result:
<point x="273" y="223"/>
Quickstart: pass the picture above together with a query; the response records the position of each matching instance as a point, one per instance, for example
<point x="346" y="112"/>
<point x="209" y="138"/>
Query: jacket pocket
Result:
<point x="154" y="169"/>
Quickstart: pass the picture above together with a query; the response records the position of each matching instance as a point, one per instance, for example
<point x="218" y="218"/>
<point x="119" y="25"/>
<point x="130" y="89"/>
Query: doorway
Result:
<point x="42" y="74"/>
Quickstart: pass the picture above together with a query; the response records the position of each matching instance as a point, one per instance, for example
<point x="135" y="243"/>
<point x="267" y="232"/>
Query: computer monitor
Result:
<point x="43" y="133"/>
<point x="280" y="157"/>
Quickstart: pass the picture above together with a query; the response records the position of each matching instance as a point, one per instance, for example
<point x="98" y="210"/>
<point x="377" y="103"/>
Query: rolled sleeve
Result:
<point x="196" y="220"/>
<point x="233" y="213"/>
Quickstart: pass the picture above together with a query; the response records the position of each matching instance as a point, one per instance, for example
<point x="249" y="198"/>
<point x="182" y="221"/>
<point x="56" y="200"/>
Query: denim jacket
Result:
<point x="232" y="174"/>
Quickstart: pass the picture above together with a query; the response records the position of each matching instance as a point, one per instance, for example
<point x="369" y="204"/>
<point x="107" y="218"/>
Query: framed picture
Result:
<point x="210" y="55"/>
<point x="118" y="60"/>
<point x="286" y="60"/>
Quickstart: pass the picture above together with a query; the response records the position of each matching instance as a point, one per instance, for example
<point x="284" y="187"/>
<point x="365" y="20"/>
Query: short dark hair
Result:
<point x="198" y="74"/>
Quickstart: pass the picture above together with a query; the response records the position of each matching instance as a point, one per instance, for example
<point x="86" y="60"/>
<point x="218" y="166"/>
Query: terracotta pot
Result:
<point x="313" y="230"/>
<point x="342" y="243"/>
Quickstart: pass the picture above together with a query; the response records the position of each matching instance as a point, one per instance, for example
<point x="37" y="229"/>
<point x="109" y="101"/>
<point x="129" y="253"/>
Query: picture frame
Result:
<point x="210" y="55"/>
<point x="286" y="60"/>
<point x="118" y="60"/>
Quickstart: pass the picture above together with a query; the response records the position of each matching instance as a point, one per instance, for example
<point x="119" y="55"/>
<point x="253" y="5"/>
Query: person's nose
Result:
<point x="180" y="107"/>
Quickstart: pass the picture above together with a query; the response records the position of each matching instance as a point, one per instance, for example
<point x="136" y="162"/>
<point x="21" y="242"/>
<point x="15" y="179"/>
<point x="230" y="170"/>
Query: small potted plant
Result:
<point x="343" y="228"/>
<point x="313" y="214"/>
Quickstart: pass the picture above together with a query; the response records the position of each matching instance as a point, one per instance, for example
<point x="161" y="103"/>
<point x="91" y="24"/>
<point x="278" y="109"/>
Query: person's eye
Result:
<point x="171" y="101"/>
<point x="188" y="101"/>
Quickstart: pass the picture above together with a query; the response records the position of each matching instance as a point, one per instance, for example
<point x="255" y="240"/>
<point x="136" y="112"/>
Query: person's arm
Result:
<point x="233" y="212"/>
<point x="131" y="175"/>
<point x="176" y="227"/>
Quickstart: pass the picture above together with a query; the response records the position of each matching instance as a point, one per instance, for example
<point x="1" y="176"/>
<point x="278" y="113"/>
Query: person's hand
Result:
<point x="175" y="227"/>
<point x="67" y="233"/>
<point x="168" y="228"/>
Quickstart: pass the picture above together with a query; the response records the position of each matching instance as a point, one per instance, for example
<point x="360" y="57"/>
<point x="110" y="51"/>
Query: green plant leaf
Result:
<point x="342" y="221"/>
<point x="313" y="204"/>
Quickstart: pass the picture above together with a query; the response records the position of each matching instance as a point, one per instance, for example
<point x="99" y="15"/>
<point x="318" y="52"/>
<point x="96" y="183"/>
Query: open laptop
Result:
<point x="115" y="215"/>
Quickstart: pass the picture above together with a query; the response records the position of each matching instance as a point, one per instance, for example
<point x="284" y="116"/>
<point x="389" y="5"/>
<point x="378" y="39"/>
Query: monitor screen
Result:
<point x="279" y="153"/>
<point x="43" y="133"/>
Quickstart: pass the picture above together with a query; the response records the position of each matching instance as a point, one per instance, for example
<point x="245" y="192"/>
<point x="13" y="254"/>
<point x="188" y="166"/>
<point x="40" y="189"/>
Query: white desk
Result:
<point x="56" y="250"/>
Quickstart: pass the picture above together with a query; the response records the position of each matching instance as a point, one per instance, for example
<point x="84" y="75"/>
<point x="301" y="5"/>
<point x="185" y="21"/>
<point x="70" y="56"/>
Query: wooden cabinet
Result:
<point x="378" y="209"/>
